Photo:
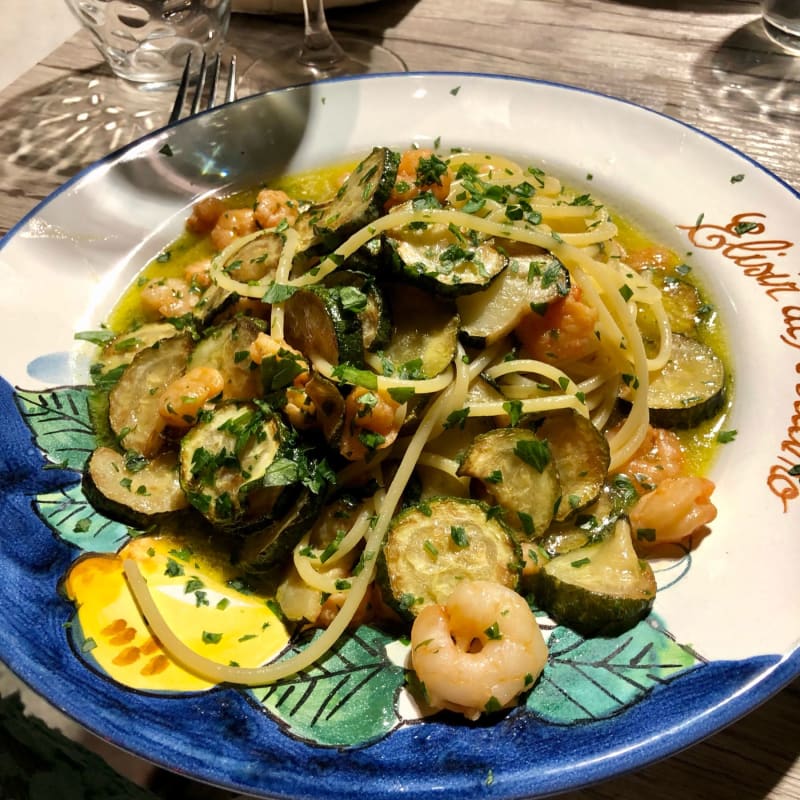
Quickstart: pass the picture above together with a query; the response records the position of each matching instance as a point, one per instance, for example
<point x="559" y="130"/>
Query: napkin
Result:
<point x="286" y="6"/>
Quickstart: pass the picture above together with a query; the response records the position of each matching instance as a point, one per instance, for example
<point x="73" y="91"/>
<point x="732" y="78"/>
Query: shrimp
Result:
<point x="266" y="346"/>
<point x="232" y="224"/>
<point x="420" y="171"/>
<point x="299" y="407"/>
<point x="660" y="456"/>
<point x="198" y="274"/>
<point x="184" y="398"/>
<point x="372" y="420"/>
<point x="204" y="215"/>
<point x="273" y="207"/>
<point x="169" y="297"/>
<point x="479" y="651"/>
<point x="565" y="332"/>
<point x="675" y="509"/>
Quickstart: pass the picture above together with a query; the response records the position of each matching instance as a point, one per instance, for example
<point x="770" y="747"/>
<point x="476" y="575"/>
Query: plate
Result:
<point x="724" y="633"/>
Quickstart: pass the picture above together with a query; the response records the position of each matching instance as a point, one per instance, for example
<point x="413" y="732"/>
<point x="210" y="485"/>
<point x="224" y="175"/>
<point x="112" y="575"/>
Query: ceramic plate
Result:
<point x="724" y="632"/>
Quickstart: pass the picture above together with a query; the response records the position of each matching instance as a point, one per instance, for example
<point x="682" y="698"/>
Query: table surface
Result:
<point x="704" y="62"/>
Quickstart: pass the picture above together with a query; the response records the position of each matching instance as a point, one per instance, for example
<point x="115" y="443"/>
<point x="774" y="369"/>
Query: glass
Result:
<point x="782" y="23"/>
<point x="148" y="41"/>
<point x="318" y="54"/>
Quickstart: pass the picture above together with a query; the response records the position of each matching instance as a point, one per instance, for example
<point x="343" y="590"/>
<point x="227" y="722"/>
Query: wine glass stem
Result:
<point x="319" y="49"/>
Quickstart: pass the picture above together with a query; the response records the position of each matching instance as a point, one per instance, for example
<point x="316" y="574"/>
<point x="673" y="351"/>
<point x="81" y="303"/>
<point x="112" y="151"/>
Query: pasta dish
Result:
<point x="448" y="396"/>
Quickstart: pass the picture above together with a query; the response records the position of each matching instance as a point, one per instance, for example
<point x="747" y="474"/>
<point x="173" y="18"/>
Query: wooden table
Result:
<point x="705" y="62"/>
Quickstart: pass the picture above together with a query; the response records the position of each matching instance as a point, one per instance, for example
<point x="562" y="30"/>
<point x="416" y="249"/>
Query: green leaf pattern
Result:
<point x="60" y="420"/>
<point x="591" y="679"/>
<point x="73" y="519"/>
<point x="329" y="703"/>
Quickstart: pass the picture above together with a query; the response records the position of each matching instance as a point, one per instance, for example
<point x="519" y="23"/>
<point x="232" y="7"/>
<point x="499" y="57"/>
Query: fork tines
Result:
<point x="204" y="98"/>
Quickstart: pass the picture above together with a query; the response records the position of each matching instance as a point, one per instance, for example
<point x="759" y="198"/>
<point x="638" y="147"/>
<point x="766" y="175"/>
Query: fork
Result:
<point x="200" y="96"/>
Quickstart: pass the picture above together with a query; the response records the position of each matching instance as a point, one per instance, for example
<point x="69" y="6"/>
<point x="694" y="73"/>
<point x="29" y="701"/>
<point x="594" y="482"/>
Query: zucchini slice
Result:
<point x="424" y="334"/>
<point x="256" y="257"/>
<point x="518" y="470"/>
<point x="134" y="401"/>
<point x="224" y="464"/>
<point x="120" y="351"/>
<point x="329" y="405"/>
<point x="600" y="589"/>
<point x="358" y="202"/>
<point x="226" y="348"/>
<point x="367" y="297"/>
<point x="439" y="261"/>
<point x="133" y="490"/>
<point x="323" y="321"/>
<point x="261" y="550"/>
<point x="529" y="281"/>
<point x="213" y="303"/>
<point x="582" y="457"/>
<point x="595" y="522"/>
<point x="683" y="304"/>
<point x="690" y="388"/>
<point x="432" y="546"/>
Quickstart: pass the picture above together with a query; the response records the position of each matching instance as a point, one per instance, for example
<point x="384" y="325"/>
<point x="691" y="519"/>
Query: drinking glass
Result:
<point x="782" y="23"/>
<point x="317" y="54"/>
<point x="148" y="41"/>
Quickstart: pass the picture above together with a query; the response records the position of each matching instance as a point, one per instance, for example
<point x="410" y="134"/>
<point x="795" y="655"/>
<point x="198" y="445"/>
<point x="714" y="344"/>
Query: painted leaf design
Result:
<point x="591" y="679"/>
<point x="347" y="699"/>
<point x="60" y="420"/>
<point x="73" y="519"/>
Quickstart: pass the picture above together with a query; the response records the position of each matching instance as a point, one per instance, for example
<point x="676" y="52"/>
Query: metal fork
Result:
<point x="201" y="98"/>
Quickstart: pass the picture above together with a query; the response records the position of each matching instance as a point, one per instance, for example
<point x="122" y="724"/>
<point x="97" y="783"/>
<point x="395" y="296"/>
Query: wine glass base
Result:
<point x="284" y="67"/>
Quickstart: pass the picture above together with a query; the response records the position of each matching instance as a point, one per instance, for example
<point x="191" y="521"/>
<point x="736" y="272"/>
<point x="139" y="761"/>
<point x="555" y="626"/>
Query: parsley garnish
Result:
<point x="459" y="536"/>
<point x="534" y="452"/>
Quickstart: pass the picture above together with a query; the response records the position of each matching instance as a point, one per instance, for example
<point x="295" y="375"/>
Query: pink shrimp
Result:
<point x="564" y="333"/>
<point x="184" y="398"/>
<point x="660" y="456"/>
<point x="232" y="224"/>
<point x="369" y="412"/>
<point x="273" y="207"/>
<point x="675" y="509"/>
<point x="205" y="214"/>
<point x="420" y="171"/>
<point x="168" y="297"/>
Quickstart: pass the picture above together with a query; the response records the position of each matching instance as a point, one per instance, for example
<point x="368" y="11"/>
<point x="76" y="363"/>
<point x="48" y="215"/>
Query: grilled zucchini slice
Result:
<point x="517" y="469"/>
<point x="329" y="405"/>
<point x="225" y="463"/>
<point x="255" y="257"/>
<point x="530" y="280"/>
<point x="359" y="201"/>
<point x="226" y="348"/>
<point x="600" y="589"/>
<point x="424" y="334"/>
<point x="581" y="454"/>
<point x="368" y="299"/>
<point x="213" y="303"/>
<point x="262" y="549"/>
<point x="683" y="304"/>
<point x="121" y="350"/>
<point x="323" y="321"/>
<point x="131" y="489"/>
<point x="690" y="388"/>
<point x="439" y="261"/>
<point x="432" y="546"/>
<point x="135" y="399"/>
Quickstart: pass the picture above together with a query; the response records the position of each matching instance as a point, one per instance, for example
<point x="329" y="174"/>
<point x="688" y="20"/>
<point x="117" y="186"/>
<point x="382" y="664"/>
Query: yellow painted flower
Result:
<point x="198" y="593"/>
